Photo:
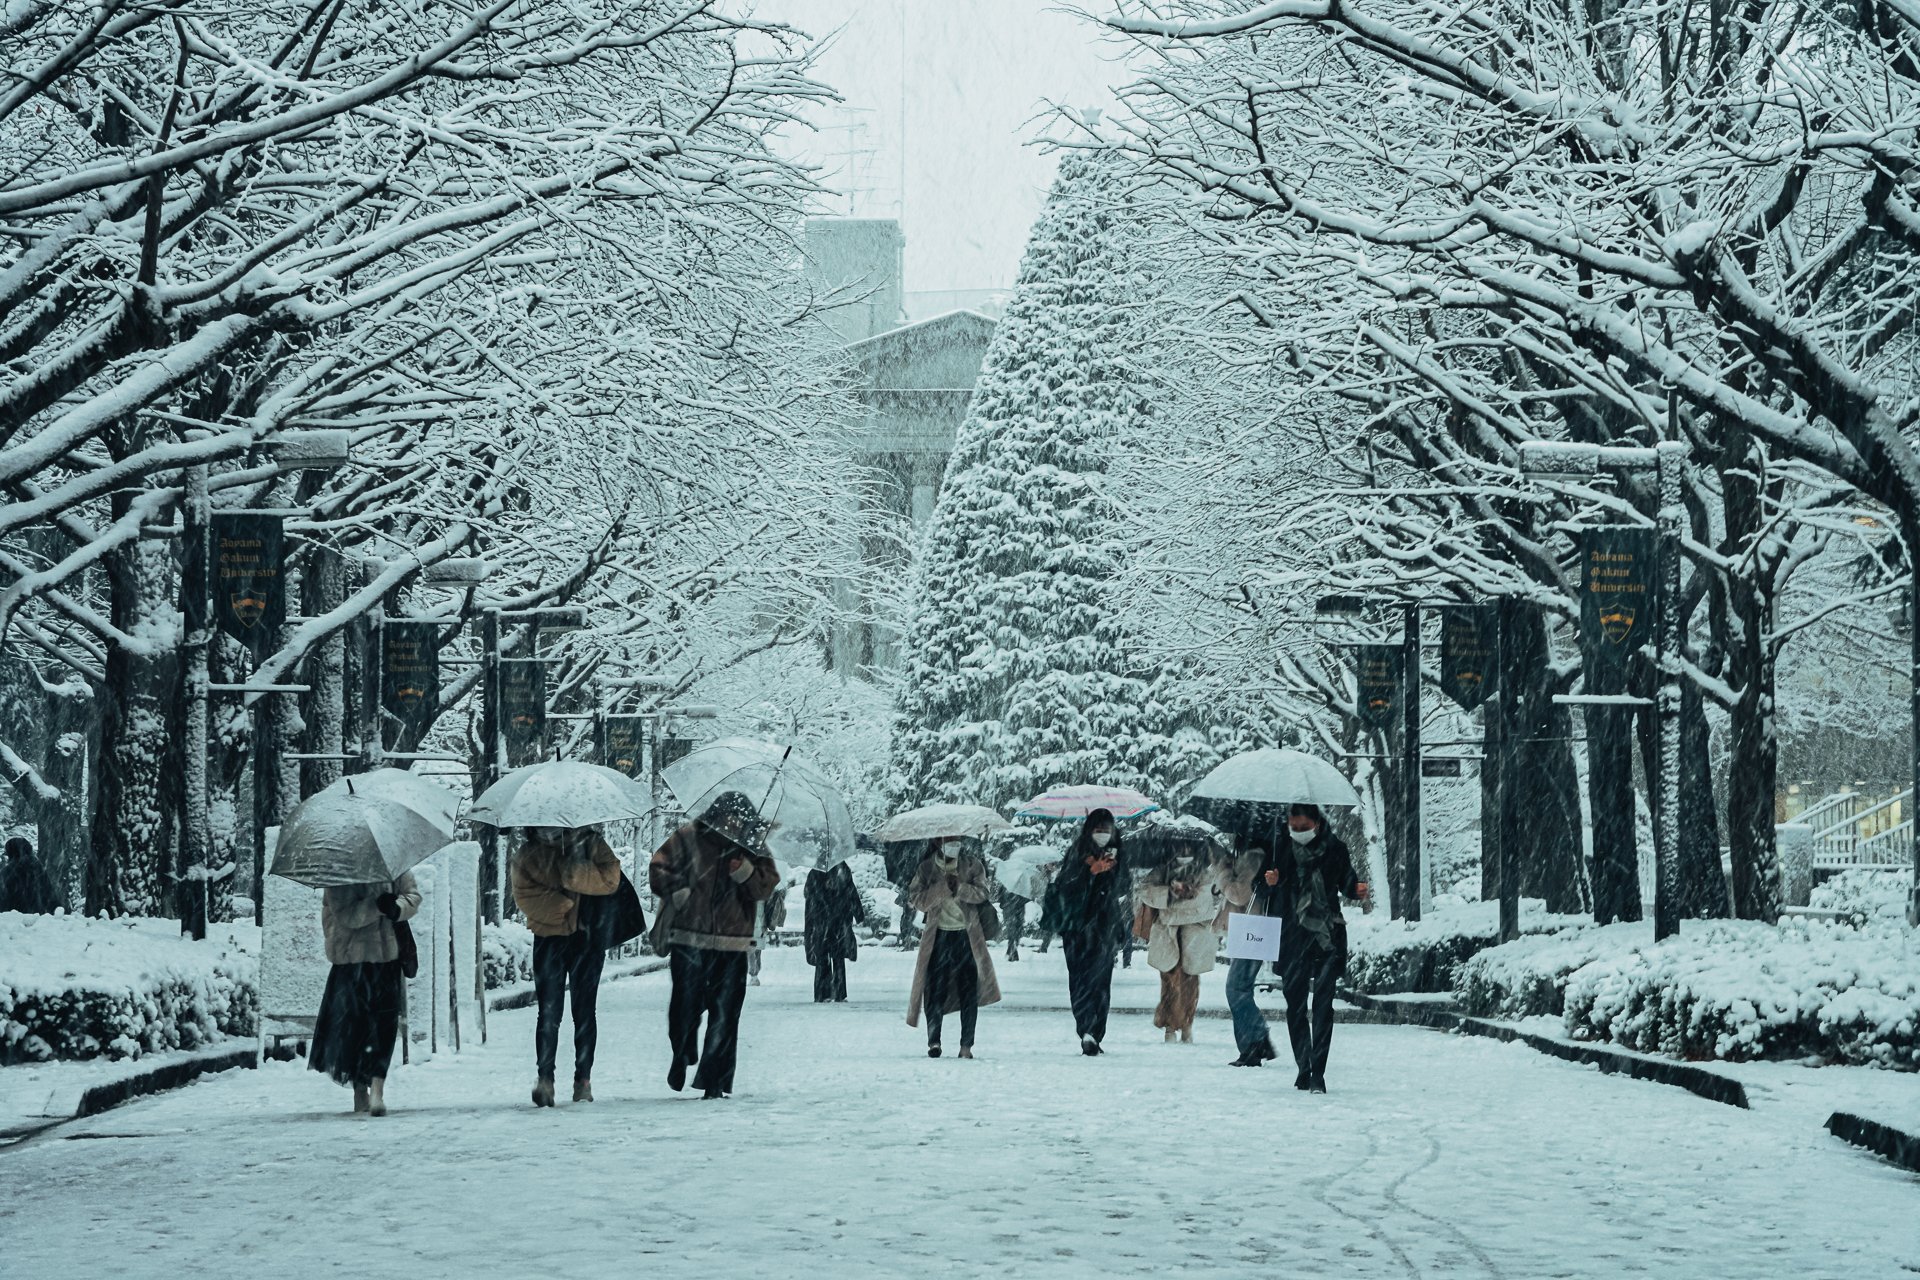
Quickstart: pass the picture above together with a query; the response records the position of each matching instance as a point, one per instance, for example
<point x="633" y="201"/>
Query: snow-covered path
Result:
<point x="848" y="1153"/>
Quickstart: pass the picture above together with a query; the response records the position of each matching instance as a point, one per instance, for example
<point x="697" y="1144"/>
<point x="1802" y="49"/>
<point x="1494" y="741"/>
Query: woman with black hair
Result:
<point x="1305" y="880"/>
<point x="1088" y="906"/>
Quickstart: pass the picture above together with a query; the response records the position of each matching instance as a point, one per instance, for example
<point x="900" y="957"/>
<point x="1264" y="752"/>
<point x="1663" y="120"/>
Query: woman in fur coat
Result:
<point x="1183" y="898"/>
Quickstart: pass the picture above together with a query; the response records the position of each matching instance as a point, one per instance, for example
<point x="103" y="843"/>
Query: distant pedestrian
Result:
<point x="1183" y="898"/>
<point x="711" y="875"/>
<point x="832" y="905"/>
<point x="773" y="917"/>
<point x="360" y="1011"/>
<point x="954" y="973"/>
<point x="1305" y="882"/>
<point x="1247" y="892"/>
<point x="561" y="883"/>
<point x="1013" y="919"/>
<point x="1087" y="905"/>
<point x="24" y="887"/>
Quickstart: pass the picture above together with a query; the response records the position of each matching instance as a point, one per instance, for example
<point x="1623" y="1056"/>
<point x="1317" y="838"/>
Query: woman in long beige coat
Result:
<point x="360" y="1012"/>
<point x="1184" y="898"/>
<point x="954" y="972"/>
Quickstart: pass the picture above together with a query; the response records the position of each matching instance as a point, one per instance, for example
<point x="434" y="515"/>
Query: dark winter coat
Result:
<point x="24" y="887"/>
<point x="1080" y="904"/>
<point x="833" y="904"/>
<point x="714" y="909"/>
<point x="1335" y="863"/>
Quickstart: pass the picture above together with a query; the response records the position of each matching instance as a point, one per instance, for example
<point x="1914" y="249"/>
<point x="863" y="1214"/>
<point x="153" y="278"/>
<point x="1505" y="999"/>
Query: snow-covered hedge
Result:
<point x="1864" y="894"/>
<point x="506" y="953"/>
<point x="1739" y="990"/>
<point x="1395" y="956"/>
<point x="1528" y="976"/>
<point x="74" y="987"/>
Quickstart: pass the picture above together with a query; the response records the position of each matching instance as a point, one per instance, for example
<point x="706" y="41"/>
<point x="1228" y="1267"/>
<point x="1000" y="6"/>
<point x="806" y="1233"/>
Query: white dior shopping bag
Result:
<point x="1253" y="937"/>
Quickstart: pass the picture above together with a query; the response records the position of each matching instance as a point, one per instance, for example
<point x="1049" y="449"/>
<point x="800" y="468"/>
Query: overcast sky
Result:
<point x="976" y="74"/>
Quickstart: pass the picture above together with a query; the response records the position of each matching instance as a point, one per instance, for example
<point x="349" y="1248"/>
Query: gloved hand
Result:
<point x="388" y="905"/>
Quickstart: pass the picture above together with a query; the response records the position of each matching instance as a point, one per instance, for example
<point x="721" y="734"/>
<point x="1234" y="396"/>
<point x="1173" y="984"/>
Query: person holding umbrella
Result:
<point x="360" y="1011"/>
<point x="710" y="875"/>
<point x="560" y="879"/>
<point x="954" y="972"/>
<point x="832" y="905"/>
<point x="1087" y="906"/>
<point x="1304" y="884"/>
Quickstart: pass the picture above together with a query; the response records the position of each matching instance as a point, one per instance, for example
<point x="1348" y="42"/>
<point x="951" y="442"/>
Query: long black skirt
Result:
<point x="359" y="1018"/>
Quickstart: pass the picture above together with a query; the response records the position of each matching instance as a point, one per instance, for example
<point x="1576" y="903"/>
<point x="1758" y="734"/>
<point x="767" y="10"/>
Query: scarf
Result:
<point x="1312" y="910"/>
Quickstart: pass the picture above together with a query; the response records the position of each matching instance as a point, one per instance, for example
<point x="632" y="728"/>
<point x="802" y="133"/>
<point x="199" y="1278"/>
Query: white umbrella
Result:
<point x="932" y="821"/>
<point x="408" y="790"/>
<point x="1020" y="872"/>
<point x="341" y="837"/>
<point x="561" y="793"/>
<point x="1241" y="786"/>
<point x="810" y="823"/>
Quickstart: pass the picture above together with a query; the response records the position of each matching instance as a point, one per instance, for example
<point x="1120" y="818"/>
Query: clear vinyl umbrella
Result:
<point x="932" y="821"/>
<point x="561" y="793"/>
<point x="1022" y="872"/>
<point x="342" y="836"/>
<point x="1256" y="787"/>
<point x="809" y="820"/>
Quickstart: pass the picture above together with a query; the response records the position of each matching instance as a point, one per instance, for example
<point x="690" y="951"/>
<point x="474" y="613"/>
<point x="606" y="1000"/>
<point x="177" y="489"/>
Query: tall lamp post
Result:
<point x="1667" y="460"/>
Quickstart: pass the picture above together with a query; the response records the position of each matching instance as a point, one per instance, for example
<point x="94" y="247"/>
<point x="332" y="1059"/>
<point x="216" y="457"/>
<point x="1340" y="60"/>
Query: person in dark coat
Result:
<point x="833" y="904"/>
<point x="711" y="875"/>
<point x="1089" y="906"/>
<point x="24" y="887"/>
<point x="1305" y="881"/>
<point x="563" y="882"/>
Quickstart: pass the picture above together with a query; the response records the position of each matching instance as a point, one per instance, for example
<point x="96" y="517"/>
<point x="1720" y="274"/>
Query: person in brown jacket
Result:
<point x="558" y="879"/>
<point x="710" y="876"/>
<point x="360" y="1011"/>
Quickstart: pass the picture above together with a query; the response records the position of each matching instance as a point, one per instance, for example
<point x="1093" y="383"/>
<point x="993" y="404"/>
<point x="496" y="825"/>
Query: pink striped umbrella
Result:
<point x="1060" y="803"/>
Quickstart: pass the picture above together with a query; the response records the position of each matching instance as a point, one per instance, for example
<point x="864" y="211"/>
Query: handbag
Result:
<point x="409" y="950"/>
<point x="989" y="922"/>
<point x="660" y="937"/>
<point x="1143" y="922"/>
<point x="625" y="919"/>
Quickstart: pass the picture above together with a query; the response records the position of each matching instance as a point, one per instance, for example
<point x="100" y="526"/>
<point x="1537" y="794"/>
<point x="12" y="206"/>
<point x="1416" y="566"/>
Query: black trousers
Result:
<point x="830" y="979"/>
<point x="953" y="979"/>
<point x="1310" y="1025"/>
<point x="710" y="984"/>
<point x="558" y="964"/>
<point x="1089" y="983"/>
<point x="1014" y="918"/>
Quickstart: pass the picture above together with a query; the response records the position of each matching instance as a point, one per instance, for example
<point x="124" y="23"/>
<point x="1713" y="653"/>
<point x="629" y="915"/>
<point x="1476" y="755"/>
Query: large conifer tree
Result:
<point x="1016" y="676"/>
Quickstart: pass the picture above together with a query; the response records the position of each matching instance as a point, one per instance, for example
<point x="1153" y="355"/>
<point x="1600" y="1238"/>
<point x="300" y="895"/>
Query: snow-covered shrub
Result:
<point x="77" y="987"/>
<point x="506" y="953"/>
<point x="1397" y="956"/>
<point x="1528" y="976"/>
<point x="877" y="893"/>
<point x="1863" y="894"/>
<point x="1740" y="990"/>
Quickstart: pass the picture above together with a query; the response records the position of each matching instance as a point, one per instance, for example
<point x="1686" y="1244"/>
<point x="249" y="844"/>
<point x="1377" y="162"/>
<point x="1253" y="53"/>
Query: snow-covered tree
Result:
<point x="1017" y="670"/>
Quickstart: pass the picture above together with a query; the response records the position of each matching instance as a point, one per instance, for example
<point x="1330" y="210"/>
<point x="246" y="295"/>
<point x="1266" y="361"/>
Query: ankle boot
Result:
<point x="377" y="1097"/>
<point x="543" y="1092"/>
<point x="359" y="1098"/>
<point x="583" y="1090"/>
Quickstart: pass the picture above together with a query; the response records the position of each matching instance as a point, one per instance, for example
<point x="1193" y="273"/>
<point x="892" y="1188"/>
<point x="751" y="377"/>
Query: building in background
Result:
<point x="915" y="382"/>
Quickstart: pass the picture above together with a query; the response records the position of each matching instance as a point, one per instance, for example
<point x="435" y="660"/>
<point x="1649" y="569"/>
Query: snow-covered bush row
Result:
<point x="1528" y="976"/>
<point x="1863" y="894"/>
<point x="1397" y="956"/>
<point x="506" y="953"/>
<point x="77" y="987"/>
<point x="1739" y="990"/>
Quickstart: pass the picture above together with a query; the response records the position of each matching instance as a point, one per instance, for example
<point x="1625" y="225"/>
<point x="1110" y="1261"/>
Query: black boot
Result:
<point x="1302" y="1080"/>
<point x="1264" y="1051"/>
<point x="1317" y="1085"/>
<point x="933" y="1051"/>
<point x="677" y="1075"/>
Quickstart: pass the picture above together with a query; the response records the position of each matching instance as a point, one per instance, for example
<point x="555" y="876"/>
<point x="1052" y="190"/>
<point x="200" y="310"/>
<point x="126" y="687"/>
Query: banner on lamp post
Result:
<point x="1618" y="573"/>
<point x="625" y="738"/>
<point x="410" y="674"/>
<point x="1377" y="673"/>
<point x="523" y="704"/>
<point x="1466" y="655"/>
<point x="246" y="577"/>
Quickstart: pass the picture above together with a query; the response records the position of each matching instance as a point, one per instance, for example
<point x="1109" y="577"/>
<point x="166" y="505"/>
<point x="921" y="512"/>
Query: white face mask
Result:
<point x="1303" y="837"/>
<point x="951" y="849"/>
<point x="1101" y="839"/>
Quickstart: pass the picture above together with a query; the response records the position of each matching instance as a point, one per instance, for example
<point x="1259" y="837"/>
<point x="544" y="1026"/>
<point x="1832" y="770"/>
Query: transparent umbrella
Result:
<point x="1021" y="872"/>
<point x="1256" y="786"/>
<point x="561" y="793"/>
<point x="346" y="837"/>
<point x="810" y="823"/>
<point x="408" y="790"/>
<point x="932" y="821"/>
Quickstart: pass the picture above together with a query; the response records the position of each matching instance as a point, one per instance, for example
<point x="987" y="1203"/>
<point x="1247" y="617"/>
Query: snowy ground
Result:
<point x="848" y="1153"/>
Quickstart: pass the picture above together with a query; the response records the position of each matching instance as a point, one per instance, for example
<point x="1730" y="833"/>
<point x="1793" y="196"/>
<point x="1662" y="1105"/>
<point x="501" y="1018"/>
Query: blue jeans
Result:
<point x="1249" y="1024"/>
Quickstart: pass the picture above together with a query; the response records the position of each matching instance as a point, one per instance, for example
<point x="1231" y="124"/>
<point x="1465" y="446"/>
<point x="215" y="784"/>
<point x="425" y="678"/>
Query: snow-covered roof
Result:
<point x="920" y="330"/>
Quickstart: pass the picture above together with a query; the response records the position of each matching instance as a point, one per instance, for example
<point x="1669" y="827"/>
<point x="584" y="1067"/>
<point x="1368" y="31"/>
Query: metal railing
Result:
<point x="1847" y="837"/>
